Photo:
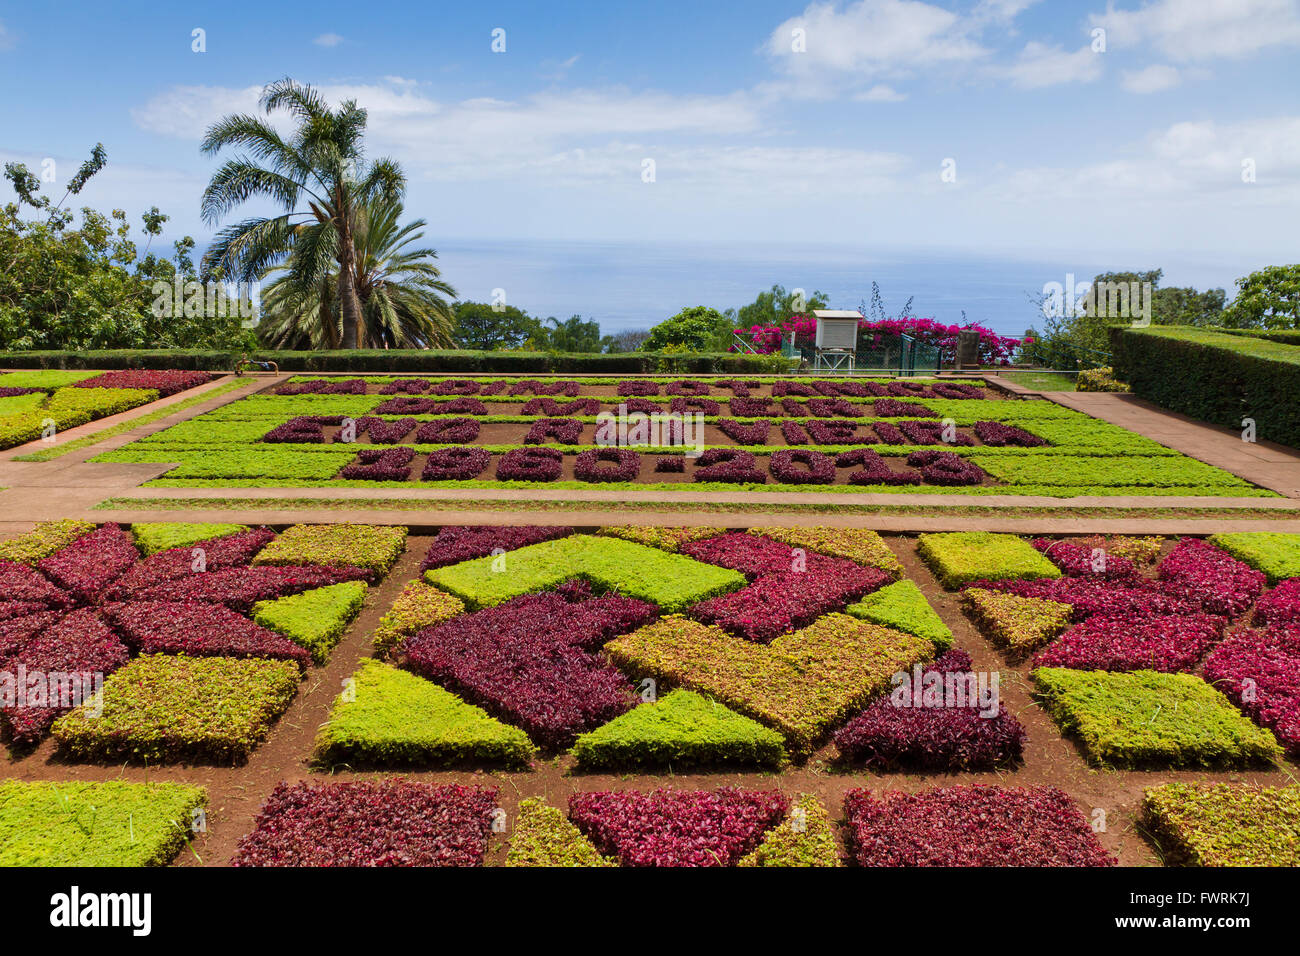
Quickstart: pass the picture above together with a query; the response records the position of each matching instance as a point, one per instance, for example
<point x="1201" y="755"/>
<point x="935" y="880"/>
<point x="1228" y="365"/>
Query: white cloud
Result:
<point x="328" y="40"/>
<point x="1186" y="30"/>
<point x="1154" y="79"/>
<point x="1041" y="65"/>
<point x="880" y="93"/>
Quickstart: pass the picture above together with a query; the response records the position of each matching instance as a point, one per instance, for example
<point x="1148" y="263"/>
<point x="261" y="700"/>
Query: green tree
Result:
<point x="574" y="334"/>
<point x="404" y="300"/>
<point x="482" y="326"/>
<point x="775" y="306"/>
<point x="1268" y="298"/>
<point x="694" y="329"/>
<point x="317" y="176"/>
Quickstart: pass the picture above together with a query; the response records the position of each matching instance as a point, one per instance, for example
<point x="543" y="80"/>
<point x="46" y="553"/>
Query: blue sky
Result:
<point x="1062" y="151"/>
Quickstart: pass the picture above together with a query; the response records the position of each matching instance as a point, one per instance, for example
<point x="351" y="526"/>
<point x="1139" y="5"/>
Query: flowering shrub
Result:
<point x="1260" y="671"/>
<point x="1019" y="625"/>
<point x="932" y="433"/>
<point x="946" y="468"/>
<point x="751" y="434"/>
<point x="750" y="407"/>
<point x="676" y="827"/>
<point x="1202" y="572"/>
<point x="833" y="432"/>
<point x="588" y="465"/>
<point x="971" y="826"/>
<point x="383" y="432"/>
<point x="729" y="465"/>
<point x="199" y="630"/>
<point x="448" y="431"/>
<point x="801" y="684"/>
<point x="1148" y="719"/>
<point x="778" y="603"/>
<point x="388" y="823"/>
<point x="164" y="707"/>
<point x="566" y="431"/>
<point x="549" y="406"/>
<point x="464" y="543"/>
<point x="1076" y="560"/>
<point x="891" y="408"/>
<point x="530" y="464"/>
<point x="304" y="429"/>
<point x="532" y="661"/>
<point x="458" y="386"/>
<point x="948" y="738"/>
<point x="638" y="387"/>
<point x="802" y="467"/>
<point x="874" y="471"/>
<point x="998" y="435"/>
<point x="166" y="382"/>
<point x="462" y="463"/>
<point x="1131" y="642"/>
<point x="380" y="464"/>
<point x="324" y="386"/>
<point x="1280" y="605"/>
<point x="408" y="386"/>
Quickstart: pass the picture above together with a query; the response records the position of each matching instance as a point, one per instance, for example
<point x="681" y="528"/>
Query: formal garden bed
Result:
<point x="900" y="436"/>
<point x="649" y="696"/>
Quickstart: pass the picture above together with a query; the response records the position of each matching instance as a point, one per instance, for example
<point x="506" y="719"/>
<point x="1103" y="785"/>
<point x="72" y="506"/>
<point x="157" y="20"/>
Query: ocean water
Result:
<point x="635" y="285"/>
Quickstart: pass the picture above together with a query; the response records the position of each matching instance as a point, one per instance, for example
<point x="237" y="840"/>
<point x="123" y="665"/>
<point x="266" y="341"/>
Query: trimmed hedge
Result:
<point x="665" y="539"/>
<point x="314" y="619"/>
<point x="854" y="544"/>
<point x="161" y="707"/>
<point x="804" y="838"/>
<point x="1215" y="377"/>
<point x="419" y="606"/>
<point x="95" y="824"/>
<point x="543" y="836"/>
<point x="1274" y="553"/>
<point x="902" y="606"/>
<point x="683" y="729"/>
<point x="801" y="684"/>
<point x="394" y="718"/>
<point x="960" y="557"/>
<point x="372" y="547"/>
<point x="1147" y="719"/>
<point x="43" y="540"/>
<point x="1220" y="824"/>
<point x="397" y="360"/>
<point x="154" y="536"/>
<point x="1018" y="625"/>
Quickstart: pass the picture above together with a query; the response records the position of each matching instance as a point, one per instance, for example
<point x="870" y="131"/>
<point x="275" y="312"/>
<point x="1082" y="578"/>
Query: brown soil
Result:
<point x="236" y="793"/>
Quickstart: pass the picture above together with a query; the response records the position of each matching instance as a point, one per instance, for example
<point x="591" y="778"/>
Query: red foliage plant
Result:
<point x="1166" y="643"/>
<point x="379" y="464"/>
<point x="1202" y="572"/>
<point x="456" y="543"/>
<point x="530" y="464"/>
<point x="459" y="463"/>
<point x="1260" y="670"/>
<point x="165" y="382"/>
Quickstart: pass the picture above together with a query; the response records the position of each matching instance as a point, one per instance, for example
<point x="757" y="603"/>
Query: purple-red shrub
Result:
<point x="671" y="465"/>
<point x="456" y="386"/>
<point x="531" y="386"/>
<point x="971" y="826"/>
<point x="836" y="431"/>
<point x="750" y="407"/>
<point x="447" y="431"/>
<point x="728" y="464"/>
<point x="1219" y="581"/>
<point x="456" y="543"/>
<point x="304" y="429"/>
<point x="891" y="408"/>
<point x="794" y="433"/>
<point x="1090" y="596"/>
<point x="241" y="588"/>
<point x="324" y="386"/>
<point x="782" y="388"/>
<point x="705" y="406"/>
<point x="89" y="564"/>
<point x="932" y="433"/>
<point x="199" y="630"/>
<point x="530" y="464"/>
<point x="594" y="465"/>
<point x="873" y="470"/>
<point x="889" y="434"/>
<point x="549" y="406"/>
<point x="383" y="432"/>
<point x="998" y="434"/>
<point x="802" y="467"/>
<point x="18" y="582"/>
<point x="9" y="391"/>
<point x="741" y="434"/>
<point x="1280" y="605"/>
<point x="379" y="464"/>
<point x="946" y="468"/>
<point x="533" y="661"/>
<point x="1167" y="643"/>
<point x="1260" y="671"/>
<point x="462" y="463"/>
<point x="956" y="390"/>
<point x="406" y="386"/>
<point x="216" y="553"/>
<point x="165" y="382"/>
<point x="830" y="407"/>
<point x="687" y="386"/>
<point x="1079" y="561"/>
<point x="908" y="390"/>
<point x="383" y="823"/>
<point x="638" y="386"/>
<point x="677" y="827"/>
<point x="566" y="431"/>
<point x="887" y="736"/>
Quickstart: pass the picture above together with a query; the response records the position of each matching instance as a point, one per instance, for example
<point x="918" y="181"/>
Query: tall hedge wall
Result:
<point x="399" y="360"/>
<point x="1213" y="376"/>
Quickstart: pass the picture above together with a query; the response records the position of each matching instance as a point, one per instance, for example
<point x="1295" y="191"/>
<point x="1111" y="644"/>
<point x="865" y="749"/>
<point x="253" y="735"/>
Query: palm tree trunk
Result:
<point x="349" y="303"/>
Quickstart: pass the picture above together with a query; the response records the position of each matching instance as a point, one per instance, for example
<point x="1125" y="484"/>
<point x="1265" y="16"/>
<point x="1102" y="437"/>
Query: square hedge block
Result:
<point x="960" y="557"/>
<point x="1221" y="824"/>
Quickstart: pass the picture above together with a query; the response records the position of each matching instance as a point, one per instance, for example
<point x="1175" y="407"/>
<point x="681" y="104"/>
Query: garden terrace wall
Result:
<point x="1214" y="377"/>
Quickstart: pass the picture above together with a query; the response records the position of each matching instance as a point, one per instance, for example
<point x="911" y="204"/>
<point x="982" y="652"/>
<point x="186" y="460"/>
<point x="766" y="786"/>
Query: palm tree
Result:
<point x="404" y="299"/>
<point x="322" y="165"/>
